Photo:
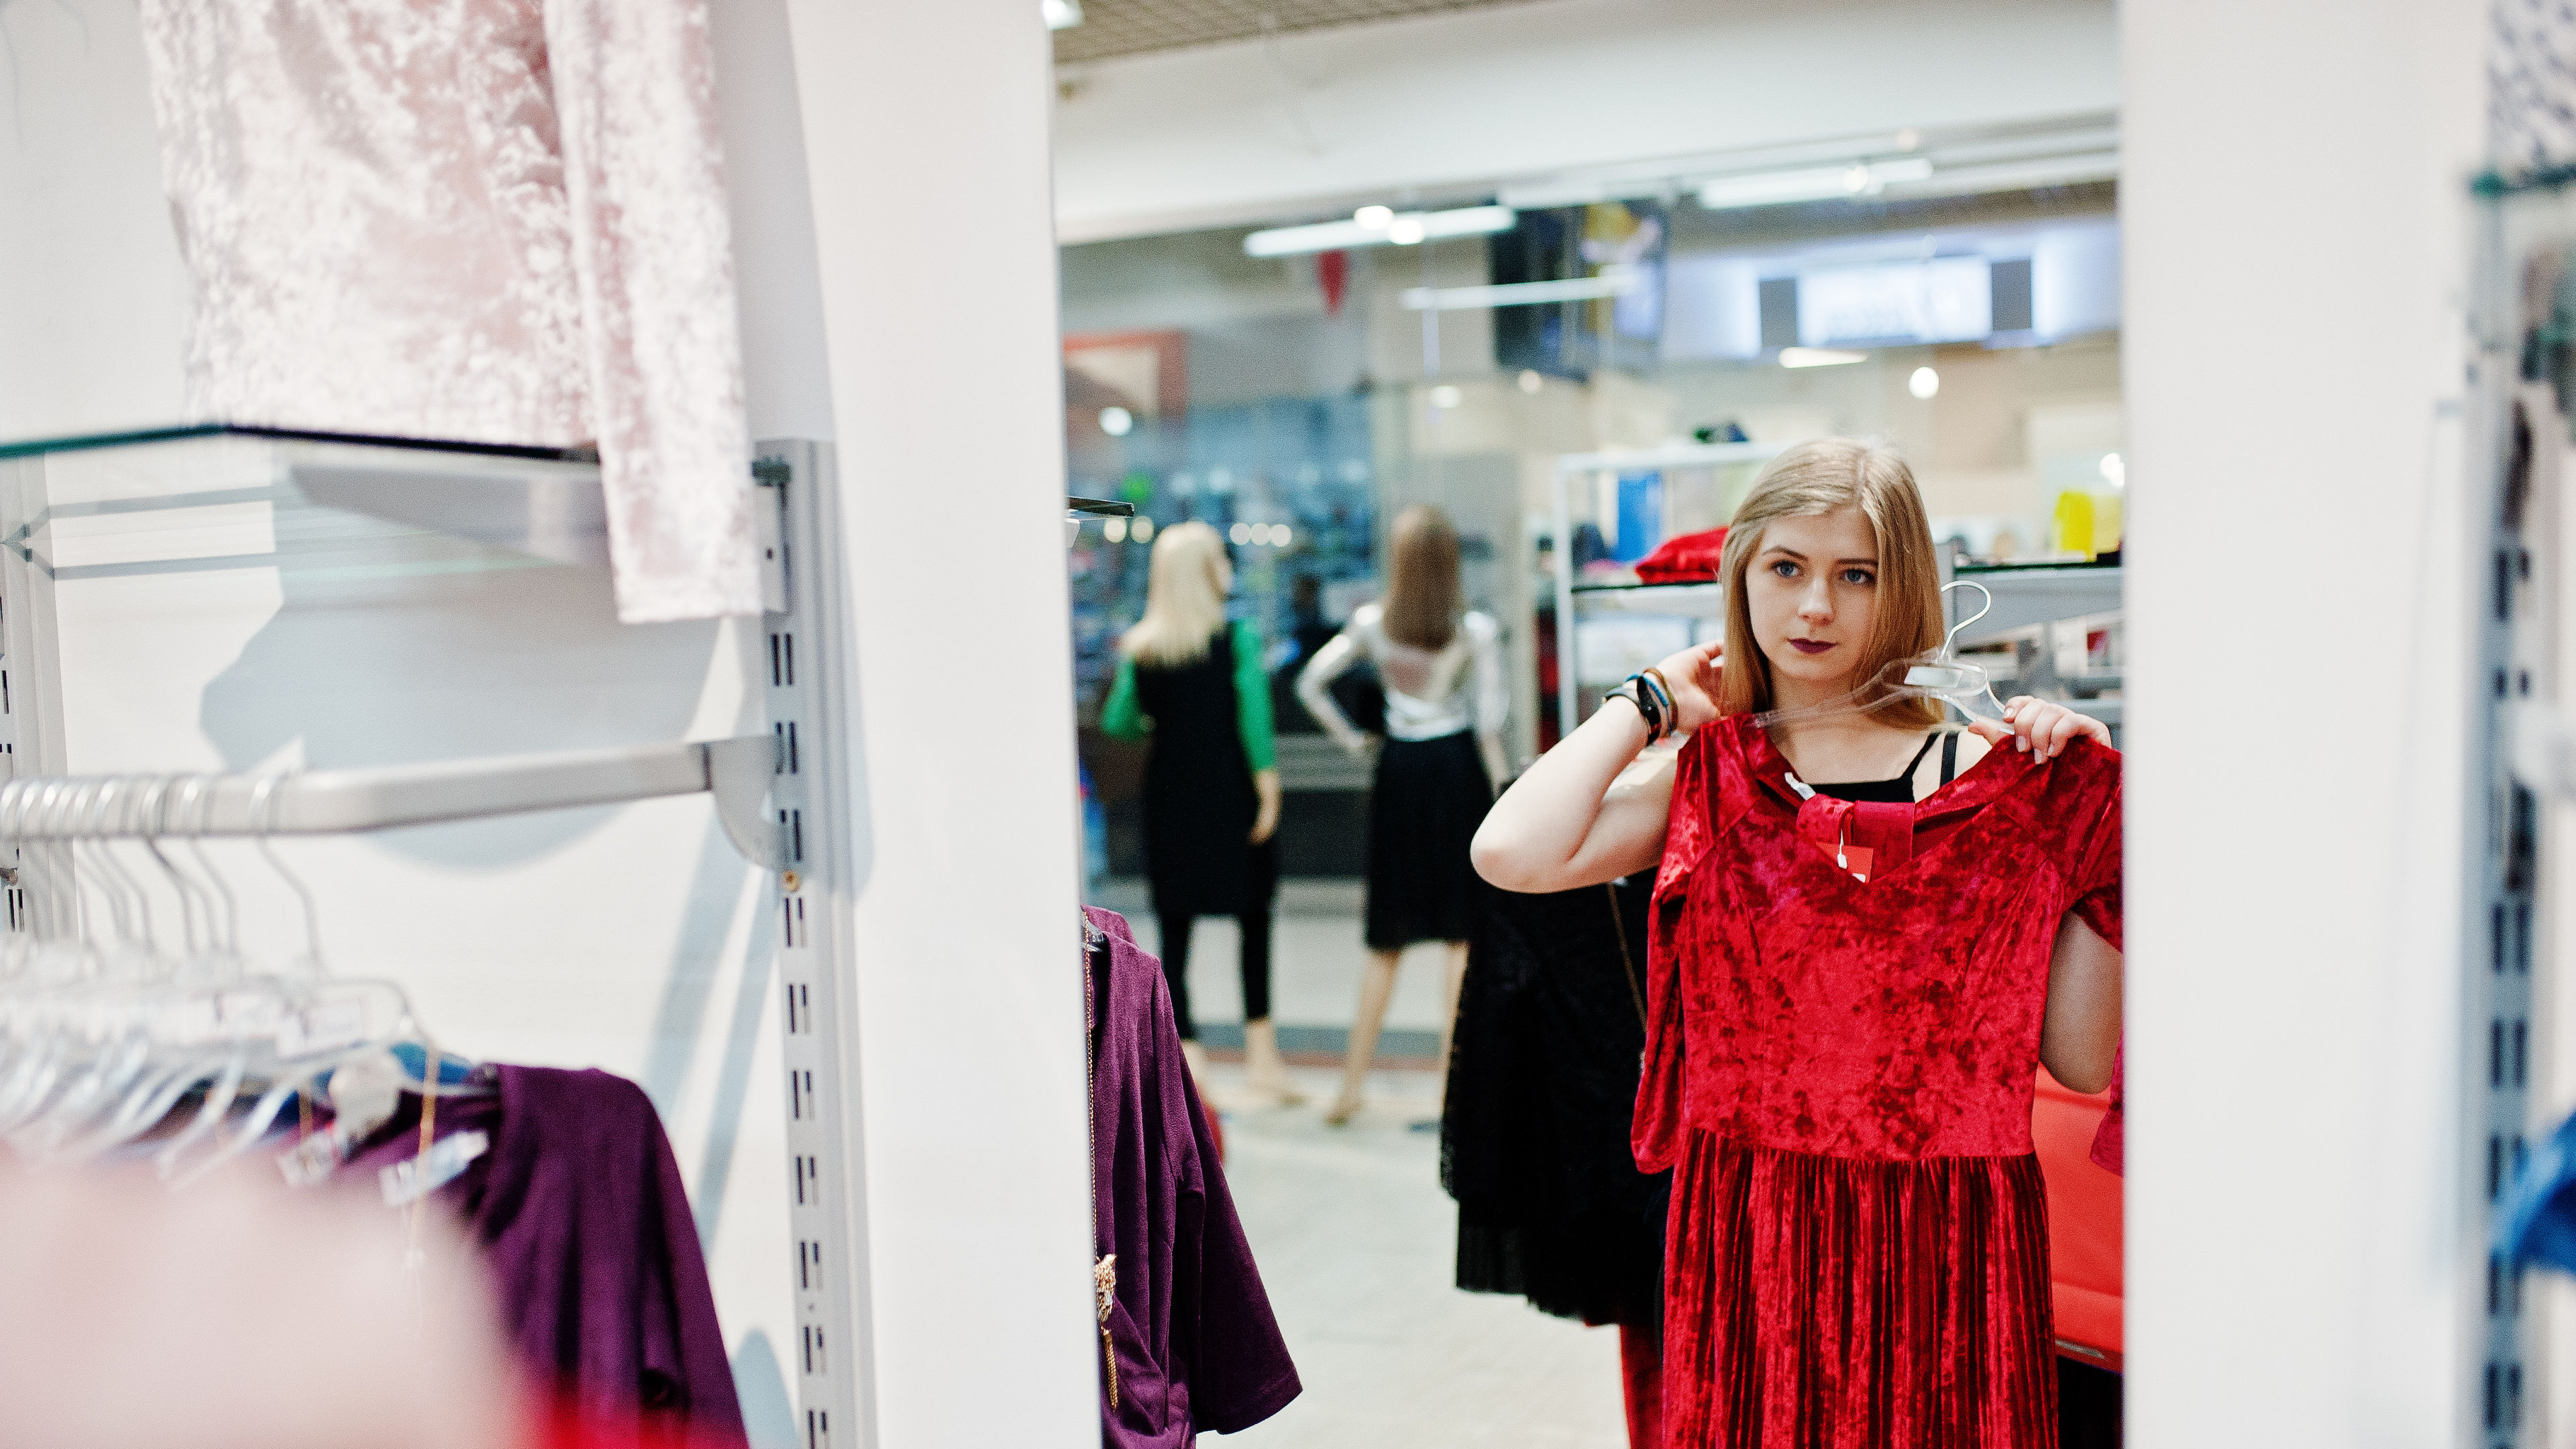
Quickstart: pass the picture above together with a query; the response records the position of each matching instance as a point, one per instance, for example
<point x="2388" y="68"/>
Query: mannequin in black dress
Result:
<point x="1192" y="684"/>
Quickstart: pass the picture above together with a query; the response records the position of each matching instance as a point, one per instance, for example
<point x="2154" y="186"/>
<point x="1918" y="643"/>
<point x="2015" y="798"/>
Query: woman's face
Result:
<point x="1812" y="589"/>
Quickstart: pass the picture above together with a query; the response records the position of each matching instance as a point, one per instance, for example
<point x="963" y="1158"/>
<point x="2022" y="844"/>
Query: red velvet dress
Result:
<point x="1841" y="1073"/>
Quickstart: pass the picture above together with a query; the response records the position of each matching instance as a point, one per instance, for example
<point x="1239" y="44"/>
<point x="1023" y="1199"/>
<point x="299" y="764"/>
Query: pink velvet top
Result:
<point x="497" y="221"/>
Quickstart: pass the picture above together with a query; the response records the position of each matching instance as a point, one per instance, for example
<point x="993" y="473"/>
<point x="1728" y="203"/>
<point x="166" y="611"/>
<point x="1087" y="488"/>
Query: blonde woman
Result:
<point x="1193" y="687"/>
<point x="1446" y="700"/>
<point x="1868" y="933"/>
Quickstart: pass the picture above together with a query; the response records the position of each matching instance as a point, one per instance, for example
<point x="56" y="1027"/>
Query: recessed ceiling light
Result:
<point x="1116" y="421"/>
<point x="1819" y="357"/>
<point x="1061" y="14"/>
<point x="1925" y="383"/>
<point x="1375" y="218"/>
<point x="1531" y="381"/>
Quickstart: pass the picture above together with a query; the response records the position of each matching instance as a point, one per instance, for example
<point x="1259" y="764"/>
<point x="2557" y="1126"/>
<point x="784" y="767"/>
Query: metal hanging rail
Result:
<point x="735" y="771"/>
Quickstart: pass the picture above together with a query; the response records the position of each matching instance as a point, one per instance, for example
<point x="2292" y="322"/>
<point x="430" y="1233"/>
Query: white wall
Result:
<point x="2295" y="255"/>
<point x="1325" y="119"/>
<point x="926" y="145"/>
<point x="930" y="350"/>
<point x="92" y="292"/>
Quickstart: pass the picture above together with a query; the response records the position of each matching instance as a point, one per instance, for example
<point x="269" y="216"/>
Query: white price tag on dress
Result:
<point x="414" y="1178"/>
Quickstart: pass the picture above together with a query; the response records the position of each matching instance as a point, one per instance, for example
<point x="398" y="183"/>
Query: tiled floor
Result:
<point x="1355" y="1242"/>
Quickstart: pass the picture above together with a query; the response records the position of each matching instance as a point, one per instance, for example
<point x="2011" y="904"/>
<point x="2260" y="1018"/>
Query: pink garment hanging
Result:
<point x="480" y="220"/>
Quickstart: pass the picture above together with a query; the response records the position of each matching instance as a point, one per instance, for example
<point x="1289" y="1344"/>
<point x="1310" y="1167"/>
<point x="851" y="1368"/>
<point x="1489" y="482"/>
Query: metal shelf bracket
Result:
<point x="738" y="775"/>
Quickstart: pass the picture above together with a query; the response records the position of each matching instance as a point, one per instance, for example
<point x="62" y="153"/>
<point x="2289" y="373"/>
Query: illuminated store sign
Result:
<point x="1946" y="299"/>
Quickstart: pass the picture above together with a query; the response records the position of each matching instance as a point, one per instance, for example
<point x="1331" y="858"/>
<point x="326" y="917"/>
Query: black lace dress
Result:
<point x="1542" y="1084"/>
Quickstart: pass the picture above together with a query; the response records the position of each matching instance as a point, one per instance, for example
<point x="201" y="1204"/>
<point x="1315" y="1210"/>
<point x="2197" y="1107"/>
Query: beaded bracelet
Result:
<point x="1664" y="696"/>
<point x="1639" y="691"/>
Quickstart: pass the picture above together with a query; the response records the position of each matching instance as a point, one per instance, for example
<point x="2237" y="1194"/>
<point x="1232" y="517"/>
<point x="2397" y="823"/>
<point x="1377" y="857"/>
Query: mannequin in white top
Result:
<point x="1446" y="704"/>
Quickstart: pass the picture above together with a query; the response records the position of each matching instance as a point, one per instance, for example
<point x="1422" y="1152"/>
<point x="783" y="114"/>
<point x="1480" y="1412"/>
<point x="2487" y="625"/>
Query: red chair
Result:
<point x="2083" y="1223"/>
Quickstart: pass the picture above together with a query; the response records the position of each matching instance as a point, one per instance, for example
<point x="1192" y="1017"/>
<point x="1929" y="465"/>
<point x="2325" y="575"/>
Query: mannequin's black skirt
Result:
<point x="1428" y="799"/>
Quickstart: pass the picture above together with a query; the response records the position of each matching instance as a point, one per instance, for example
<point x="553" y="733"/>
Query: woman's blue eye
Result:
<point x="1783" y="568"/>
<point x="1856" y="576"/>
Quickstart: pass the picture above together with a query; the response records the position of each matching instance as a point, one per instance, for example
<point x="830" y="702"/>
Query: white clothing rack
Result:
<point x="1570" y="466"/>
<point x="322" y="802"/>
<point x="367" y="529"/>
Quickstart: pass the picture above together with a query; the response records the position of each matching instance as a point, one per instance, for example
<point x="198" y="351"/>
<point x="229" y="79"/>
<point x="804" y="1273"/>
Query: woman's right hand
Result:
<point x="1692" y="676"/>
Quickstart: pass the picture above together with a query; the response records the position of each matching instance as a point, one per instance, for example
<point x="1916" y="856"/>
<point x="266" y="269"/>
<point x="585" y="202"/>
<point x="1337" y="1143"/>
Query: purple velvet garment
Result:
<point x="594" y="1255"/>
<point x="1198" y="1350"/>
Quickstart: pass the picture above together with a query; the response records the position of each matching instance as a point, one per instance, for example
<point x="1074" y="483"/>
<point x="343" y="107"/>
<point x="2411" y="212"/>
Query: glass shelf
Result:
<point x="220" y="496"/>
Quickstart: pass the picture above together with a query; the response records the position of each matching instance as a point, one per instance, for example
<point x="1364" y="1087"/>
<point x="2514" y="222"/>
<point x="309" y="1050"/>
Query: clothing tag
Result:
<point x="314" y="1158"/>
<point x="406" y="1181"/>
<point x="363" y="1096"/>
<point x="1805" y="790"/>
<point x="1856" y="858"/>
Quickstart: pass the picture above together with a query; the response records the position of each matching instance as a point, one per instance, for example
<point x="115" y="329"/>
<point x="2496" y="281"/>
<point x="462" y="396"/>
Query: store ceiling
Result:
<point x="1112" y="28"/>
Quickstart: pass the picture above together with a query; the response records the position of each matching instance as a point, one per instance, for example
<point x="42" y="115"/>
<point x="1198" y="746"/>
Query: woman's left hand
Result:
<point x="1265" y="821"/>
<point x="2043" y="727"/>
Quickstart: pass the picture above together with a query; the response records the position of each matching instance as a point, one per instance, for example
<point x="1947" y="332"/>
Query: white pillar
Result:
<point x="2293" y="199"/>
<point x="926" y="143"/>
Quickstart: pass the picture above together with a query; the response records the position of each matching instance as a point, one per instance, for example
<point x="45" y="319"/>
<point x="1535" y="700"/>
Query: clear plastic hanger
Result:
<point x="204" y="1020"/>
<point x="112" y="1018"/>
<point x="331" y="1023"/>
<point x="1937" y="674"/>
<point x="104" y="1033"/>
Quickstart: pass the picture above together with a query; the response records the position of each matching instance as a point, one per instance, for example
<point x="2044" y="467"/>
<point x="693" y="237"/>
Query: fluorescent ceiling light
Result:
<point x="1819" y="183"/>
<point x="1061" y="14"/>
<point x="1818" y="357"/>
<point x="1612" y="282"/>
<point x="1402" y="228"/>
<point x="1950" y="150"/>
<point x="2075" y="170"/>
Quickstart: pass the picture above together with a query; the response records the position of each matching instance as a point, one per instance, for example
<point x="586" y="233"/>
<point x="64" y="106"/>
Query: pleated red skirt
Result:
<point x="1844" y="1303"/>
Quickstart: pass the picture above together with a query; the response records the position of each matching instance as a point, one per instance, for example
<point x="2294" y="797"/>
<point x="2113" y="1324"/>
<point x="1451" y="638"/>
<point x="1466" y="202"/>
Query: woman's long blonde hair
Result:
<point x="1421" y="603"/>
<point x="1818" y="477"/>
<point x="1184" y="597"/>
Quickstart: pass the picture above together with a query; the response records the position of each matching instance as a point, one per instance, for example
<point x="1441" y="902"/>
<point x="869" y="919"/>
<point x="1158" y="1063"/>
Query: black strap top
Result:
<point x="1897" y="789"/>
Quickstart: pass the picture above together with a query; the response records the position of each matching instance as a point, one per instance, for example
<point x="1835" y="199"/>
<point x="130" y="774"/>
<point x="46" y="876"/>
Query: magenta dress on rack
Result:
<point x="585" y="1229"/>
<point x="1196" y="1346"/>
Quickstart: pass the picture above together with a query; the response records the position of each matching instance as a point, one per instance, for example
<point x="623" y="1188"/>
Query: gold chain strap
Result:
<point x="1104" y="1272"/>
<point x="1104" y="1283"/>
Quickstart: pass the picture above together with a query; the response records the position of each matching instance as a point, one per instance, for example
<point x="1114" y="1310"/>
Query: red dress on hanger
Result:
<point x="1841" y="1073"/>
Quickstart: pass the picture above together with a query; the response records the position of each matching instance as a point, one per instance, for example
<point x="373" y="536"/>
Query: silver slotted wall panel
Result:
<point x="2515" y="571"/>
<point x="2497" y="978"/>
<point x="813" y="956"/>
